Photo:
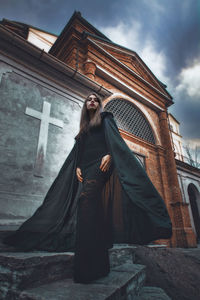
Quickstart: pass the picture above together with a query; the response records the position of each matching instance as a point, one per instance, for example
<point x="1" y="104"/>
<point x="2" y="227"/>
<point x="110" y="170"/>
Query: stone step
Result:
<point x="19" y="270"/>
<point x="121" y="254"/>
<point x="152" y="293"/>
<point x="123" y="282"/>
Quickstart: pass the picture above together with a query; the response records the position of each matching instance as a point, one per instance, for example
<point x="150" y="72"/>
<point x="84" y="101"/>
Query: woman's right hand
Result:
<point x="79" y="174"/>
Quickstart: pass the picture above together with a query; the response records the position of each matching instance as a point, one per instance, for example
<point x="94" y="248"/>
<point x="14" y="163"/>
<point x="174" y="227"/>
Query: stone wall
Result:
<point x="25" y="177"/>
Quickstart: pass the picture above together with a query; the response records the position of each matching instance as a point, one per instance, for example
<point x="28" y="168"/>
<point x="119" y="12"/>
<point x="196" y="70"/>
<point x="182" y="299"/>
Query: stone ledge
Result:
<point x="152" y="293"/>
<point x="22" y="270"/>
<point x="67" y="289"/>
<point x="129" y="277"/>
<point x="123" y="282"/>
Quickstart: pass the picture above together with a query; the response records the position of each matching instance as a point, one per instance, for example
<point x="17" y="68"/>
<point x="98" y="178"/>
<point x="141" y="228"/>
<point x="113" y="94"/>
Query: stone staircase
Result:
<point x="48" y="276"/>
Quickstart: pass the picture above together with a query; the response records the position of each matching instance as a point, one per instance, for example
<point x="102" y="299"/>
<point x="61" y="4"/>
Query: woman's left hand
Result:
<point x="105" y="162"/>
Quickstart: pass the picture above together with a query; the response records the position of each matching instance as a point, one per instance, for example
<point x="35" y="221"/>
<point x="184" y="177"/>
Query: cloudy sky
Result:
<point x="164" y="33"/>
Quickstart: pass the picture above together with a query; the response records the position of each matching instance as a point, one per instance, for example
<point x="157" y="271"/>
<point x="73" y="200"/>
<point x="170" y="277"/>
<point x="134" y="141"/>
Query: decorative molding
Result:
<point x="127" y="89"/>
<point x="130" y="70"/>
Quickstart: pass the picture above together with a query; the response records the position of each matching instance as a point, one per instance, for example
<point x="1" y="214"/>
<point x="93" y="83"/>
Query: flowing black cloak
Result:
<point x="134" y="211"/>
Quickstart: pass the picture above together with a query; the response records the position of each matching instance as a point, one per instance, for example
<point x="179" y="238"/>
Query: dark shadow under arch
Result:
<point x="194" y="196"/>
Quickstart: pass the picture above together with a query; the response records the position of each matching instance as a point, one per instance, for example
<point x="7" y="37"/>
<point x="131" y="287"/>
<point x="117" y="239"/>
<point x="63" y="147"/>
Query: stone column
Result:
<point x="179" y="238"/>
<point x="89" y="69"/>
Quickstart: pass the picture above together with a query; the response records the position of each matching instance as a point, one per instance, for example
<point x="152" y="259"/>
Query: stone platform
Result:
<point x="46" y="276"/>
<point x="123" y="282"/>
<point x="152" y="293"/>
<point x="20" y="270"/>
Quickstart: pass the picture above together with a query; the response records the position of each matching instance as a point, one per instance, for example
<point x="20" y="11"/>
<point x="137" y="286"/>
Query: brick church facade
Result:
<point x="47" y="88"/>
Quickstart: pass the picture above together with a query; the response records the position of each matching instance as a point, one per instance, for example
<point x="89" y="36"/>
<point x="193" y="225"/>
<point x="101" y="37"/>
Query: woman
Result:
<point x="91" y="259"/>
<point x="102" y="195"/>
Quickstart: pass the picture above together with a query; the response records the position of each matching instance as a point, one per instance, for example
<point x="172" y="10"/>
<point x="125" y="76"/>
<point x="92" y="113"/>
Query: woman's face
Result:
<point x="92" y="103"/>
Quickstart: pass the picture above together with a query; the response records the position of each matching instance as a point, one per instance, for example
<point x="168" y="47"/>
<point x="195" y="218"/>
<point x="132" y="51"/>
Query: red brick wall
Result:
<point x="160" y="161"/>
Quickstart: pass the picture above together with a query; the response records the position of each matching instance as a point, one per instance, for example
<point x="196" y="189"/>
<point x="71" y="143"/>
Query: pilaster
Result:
<point x="90" y="69"/>
<point x="181" y="237"/>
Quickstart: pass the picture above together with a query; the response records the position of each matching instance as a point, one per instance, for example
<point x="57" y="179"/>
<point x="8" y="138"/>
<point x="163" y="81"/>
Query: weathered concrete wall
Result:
<point x="21" y="191"/>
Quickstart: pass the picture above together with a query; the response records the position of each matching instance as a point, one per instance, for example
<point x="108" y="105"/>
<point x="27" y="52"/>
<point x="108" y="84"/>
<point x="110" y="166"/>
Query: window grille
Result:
<point x="130" y="119"/>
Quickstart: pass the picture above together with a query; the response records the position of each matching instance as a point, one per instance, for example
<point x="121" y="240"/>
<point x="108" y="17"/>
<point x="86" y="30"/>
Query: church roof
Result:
<point x="85" y="34"/>
<point x="80" y="28"/>
<point x="20" y="28"/>
<point x="77" y="15"/>
<point x="84" y="30"/>
<point x="13" y="44"/>
<point x="186" y="167"/>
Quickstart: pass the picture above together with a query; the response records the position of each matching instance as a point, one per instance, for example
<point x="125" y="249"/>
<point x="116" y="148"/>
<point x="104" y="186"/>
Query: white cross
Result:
<point x="45" y="118"/>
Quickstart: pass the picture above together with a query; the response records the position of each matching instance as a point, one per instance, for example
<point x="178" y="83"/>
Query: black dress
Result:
<point x="91" y="260"/>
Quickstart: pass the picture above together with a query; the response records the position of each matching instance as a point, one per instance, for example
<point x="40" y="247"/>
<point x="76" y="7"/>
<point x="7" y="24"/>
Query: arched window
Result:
<point x="140" y="158"/>
<point x="129" y="118"/>
<point x="171" y="127"/>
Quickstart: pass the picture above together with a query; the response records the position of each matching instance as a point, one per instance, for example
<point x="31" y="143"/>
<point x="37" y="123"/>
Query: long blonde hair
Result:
<point x="85" y="122"/>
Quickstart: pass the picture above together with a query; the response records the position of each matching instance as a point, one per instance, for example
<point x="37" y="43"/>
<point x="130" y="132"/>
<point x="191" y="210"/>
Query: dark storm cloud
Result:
<point x="172" y="25"/>
<point x="188" y="113"/>
<point x="52" y="15"/>
<point x="179" y="33"/>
